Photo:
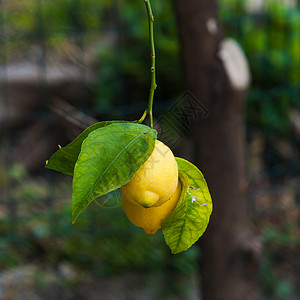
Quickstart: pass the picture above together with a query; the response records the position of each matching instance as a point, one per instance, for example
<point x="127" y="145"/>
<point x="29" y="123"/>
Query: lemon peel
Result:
<point x="150" y="219"/>
<point x="156" y="181"/>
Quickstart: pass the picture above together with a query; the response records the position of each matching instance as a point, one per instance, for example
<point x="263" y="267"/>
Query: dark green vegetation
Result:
<point x="271" y="41"/>
<point x="119" y="31"/>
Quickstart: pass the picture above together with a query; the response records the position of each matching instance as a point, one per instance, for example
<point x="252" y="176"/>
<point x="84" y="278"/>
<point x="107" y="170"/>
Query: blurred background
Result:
<point x="65" y="65"/>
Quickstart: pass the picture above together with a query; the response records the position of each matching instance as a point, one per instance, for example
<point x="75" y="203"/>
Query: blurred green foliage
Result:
<point x="124" y="74"/>
<point x="281" y="245"/>
<point x="56" y="17"/>
<point x="120" y="32"/>
<point x="271" y="40"/>
<point x="270" y="37"/>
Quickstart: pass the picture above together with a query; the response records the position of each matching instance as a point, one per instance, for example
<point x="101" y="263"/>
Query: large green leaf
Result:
<point x="64" y="159"/>
<point x="109" y="158"/>
<point x="191" y="216"/>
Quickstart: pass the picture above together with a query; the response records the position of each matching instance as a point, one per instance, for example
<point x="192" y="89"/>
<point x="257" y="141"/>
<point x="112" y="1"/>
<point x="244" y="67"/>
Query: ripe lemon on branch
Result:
<point x="156" y="181"/>
<point x="158" y="190"/>
<point x="126" y="155"/>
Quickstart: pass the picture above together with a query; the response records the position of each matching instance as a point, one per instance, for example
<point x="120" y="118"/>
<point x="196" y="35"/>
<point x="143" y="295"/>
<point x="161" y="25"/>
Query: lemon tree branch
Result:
<point x="152" y="52"/>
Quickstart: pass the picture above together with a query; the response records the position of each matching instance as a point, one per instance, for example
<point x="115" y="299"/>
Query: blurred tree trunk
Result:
<point x="229" y="250"/>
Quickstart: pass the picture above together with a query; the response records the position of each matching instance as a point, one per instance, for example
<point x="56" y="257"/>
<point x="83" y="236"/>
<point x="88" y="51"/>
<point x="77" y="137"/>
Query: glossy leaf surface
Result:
<point x="64" y="159"/>
<point x="109" y="158"/>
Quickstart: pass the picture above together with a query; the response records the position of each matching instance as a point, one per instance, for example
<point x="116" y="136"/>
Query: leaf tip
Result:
<point x="74" y="218"/>
<point x="75" y="214"/>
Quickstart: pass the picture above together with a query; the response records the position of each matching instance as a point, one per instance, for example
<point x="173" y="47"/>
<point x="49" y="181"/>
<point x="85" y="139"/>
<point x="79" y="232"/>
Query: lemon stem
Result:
<point x="143" y="117"/>
<point x="152" y="69"/>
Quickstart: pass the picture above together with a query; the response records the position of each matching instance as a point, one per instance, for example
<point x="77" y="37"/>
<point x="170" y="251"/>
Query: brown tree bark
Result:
<point x="228" y="249"/>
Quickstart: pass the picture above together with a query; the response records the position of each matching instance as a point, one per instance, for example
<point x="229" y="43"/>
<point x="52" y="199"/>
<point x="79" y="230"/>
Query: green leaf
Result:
<point x="196" y="178"/>
<point x="109" y="158"/>
<point x="64" y="159"/>
<point x="191" y="216"/>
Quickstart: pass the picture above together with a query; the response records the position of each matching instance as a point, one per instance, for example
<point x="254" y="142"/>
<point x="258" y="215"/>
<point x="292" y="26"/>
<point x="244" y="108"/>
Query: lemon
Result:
<point x="150" y="218"/>
<point x="156" y="181"/>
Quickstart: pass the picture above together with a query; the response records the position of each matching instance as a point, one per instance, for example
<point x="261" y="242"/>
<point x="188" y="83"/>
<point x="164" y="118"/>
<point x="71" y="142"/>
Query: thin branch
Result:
<point x="152" y="52"/>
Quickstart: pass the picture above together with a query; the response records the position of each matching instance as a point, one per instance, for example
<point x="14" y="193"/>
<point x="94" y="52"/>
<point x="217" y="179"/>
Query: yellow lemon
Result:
<point x="156" y="181"/>
<point x="151" y="218"/>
